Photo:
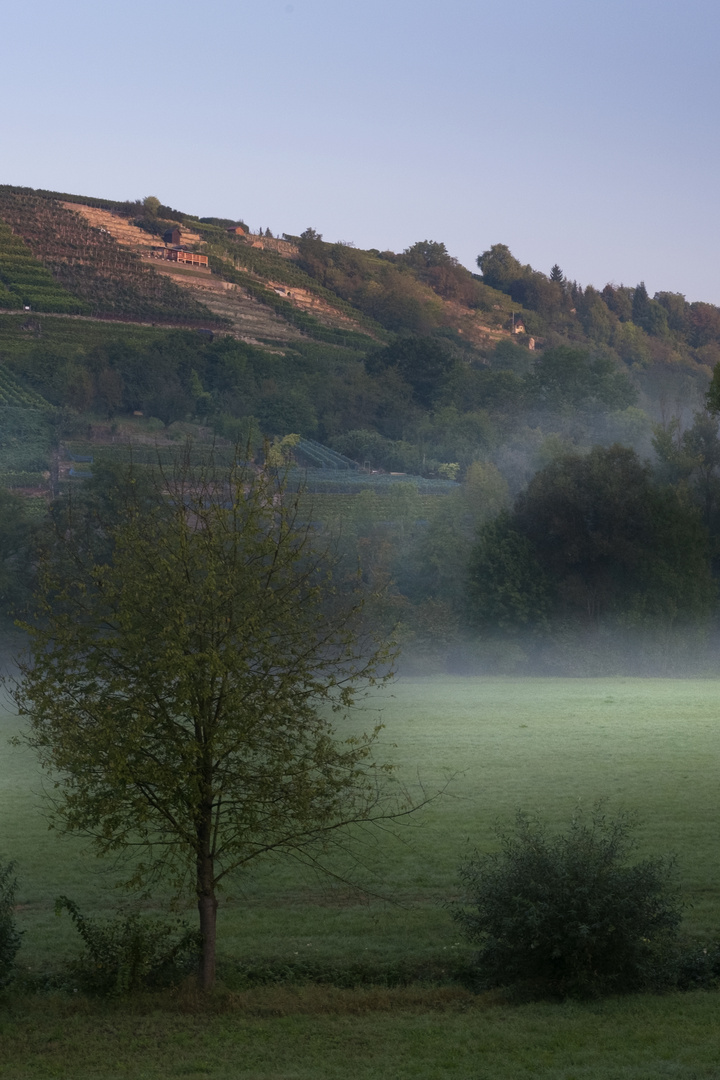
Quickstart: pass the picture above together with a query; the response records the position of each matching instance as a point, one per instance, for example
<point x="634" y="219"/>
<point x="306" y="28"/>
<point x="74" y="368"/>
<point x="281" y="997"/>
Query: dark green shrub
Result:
<point x="130" y="952"/>
<point x="9" y="935"/>
<point x="698" y="966"/>
<point x="569" y="914"/>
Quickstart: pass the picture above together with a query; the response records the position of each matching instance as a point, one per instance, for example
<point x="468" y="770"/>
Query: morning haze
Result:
<point x="360" y="478"/>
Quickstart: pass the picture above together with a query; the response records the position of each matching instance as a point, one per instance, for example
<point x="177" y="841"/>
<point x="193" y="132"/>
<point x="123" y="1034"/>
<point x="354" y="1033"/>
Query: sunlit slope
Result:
<point x="25" y="282"/>
<point x="91" y="266"/>
<point x="262" y="289"/>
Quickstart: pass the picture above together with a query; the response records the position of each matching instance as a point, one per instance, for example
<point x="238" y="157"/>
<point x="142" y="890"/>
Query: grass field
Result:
<point x="648" y="745"/>
<point x="346" y="1036"/>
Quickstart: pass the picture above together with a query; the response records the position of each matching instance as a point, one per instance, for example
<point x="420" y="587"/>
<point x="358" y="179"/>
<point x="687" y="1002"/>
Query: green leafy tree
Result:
<point x="499" y="267"/>
<point x="615" y="544"/>
<point x="507" y="589"/>
<point x="187" y="656"/>
<point x="569" y="380"/>
<point x="647" y="313"/>
<point x="594" y="546"/>
<point x="435" y="266"/>
<point x="619" y="299"/>
<point x="507" y="356"/>
<point x="422" y="361"/>
<point x="595" y="316"/>
<point x="534" y="291"/>
<point x="676" y="310"/>
<point x="129" y="953"/>
<point x="428" y="253"/>
<point x="438" y="563"/>
<point x="674" y="463"/>
<point x="631" y="343"/>
<point x="704" y="324"/>
<point x="713" y="394"/>
<point x="692" y="457"/>
<point x="640" y="305"/>
<point x="557" y="275"/>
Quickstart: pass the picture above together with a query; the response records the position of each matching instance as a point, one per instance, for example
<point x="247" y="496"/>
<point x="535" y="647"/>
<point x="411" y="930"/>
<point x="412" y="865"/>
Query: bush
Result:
<point x="698" y="966"/>
<point x="568" y="914"/>
<point x="129" y="952"/>
<point x="9" y="935"/>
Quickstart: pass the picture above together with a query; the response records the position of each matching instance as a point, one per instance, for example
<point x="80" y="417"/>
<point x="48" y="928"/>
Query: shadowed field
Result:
<point x="648" y="745"/>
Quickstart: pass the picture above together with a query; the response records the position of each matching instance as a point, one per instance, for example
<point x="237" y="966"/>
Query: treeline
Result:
<point x="413" y="405"/>
<point x="604" y="564"/>
<point x="639" y="328"/>
<point x="600" y="554"/>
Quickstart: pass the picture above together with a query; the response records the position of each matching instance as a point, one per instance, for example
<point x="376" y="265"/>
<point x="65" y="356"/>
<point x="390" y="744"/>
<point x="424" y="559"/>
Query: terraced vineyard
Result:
<point x="345" y="481"/>
<point x="379" y="505"/>
<point x="305" y="322"/>
<point x="25" y="282"/>
<point x="25" y="434"/>
<point x="136" y="453"/>
<point x="270" y="266"/>
<point x="27" y="478"/>
<point x="105" y="278"/>
<point x="13" y="394"/>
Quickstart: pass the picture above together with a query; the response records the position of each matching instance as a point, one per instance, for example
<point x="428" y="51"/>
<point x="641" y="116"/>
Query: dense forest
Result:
<point x="532" y="466"/>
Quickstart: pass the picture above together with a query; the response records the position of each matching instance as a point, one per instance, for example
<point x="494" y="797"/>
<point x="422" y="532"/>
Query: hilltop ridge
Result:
<point x="258" y="287"/>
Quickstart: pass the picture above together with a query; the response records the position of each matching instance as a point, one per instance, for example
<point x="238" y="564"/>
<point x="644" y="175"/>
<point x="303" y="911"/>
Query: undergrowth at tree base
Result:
<point x="302" y="985"/>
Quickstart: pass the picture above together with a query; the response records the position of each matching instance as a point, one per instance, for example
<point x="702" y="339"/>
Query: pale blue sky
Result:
<point x="579" y="132"/>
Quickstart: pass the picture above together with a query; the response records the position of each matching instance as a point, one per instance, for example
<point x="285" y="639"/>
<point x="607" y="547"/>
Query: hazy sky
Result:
<point x="583" y="132"/>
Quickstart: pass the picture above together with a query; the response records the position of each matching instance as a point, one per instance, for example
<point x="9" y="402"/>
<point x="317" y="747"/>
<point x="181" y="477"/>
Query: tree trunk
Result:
<point x="207" y="907"/>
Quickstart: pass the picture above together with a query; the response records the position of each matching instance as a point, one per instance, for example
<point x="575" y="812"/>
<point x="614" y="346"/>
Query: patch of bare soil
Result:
<point x="124" y="231"/>
<point x="251" y="321"/>
<point x="470" y="326"/>
<point x="316" y="306"/>
<point x="285" y="248"/>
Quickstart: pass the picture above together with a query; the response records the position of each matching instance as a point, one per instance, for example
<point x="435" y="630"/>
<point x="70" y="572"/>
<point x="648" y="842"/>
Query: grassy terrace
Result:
<point x="20" y="334"/>
<point x="651" y="745"/>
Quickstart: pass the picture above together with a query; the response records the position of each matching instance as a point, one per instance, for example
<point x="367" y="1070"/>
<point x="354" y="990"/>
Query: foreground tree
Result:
<point x="188" y="656"/>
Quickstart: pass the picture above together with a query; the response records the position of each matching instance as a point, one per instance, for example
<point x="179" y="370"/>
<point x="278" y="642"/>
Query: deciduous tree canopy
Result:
<point x="188" y="653"/>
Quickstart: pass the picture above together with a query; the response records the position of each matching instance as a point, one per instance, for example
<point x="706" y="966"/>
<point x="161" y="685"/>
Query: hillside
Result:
<point x="417" y="404"/>
<point x="405" y="362"/>
<point x="260" y="287"/>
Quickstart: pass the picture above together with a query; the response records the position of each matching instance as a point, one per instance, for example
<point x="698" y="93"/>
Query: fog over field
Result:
<point x="499" y="744"/>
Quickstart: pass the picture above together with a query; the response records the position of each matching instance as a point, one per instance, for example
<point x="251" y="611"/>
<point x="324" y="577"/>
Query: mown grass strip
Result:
<point x="323" y="1035"/>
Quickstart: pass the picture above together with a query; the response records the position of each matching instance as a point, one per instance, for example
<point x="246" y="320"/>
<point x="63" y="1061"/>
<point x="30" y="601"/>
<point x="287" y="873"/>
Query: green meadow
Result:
<point x="478" y="748"/>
